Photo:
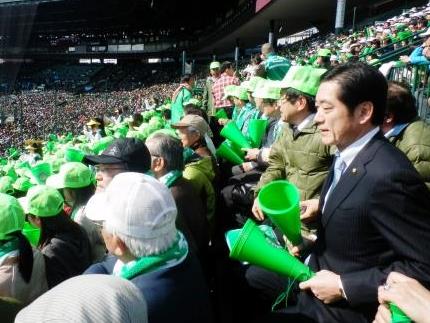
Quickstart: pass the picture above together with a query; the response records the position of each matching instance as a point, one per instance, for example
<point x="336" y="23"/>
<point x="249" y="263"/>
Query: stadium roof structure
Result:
<point x="78" y="15"/>
<point x="293" y="16"/>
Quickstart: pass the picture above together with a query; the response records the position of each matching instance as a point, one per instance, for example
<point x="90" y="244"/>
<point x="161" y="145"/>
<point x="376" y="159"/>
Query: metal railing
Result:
<point x="417" y="77"/>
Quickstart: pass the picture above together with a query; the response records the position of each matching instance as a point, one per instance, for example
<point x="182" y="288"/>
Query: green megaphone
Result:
<point x="279" y="200"/>
<point x="251" y="245"/>
<point x="226" y="151"/>
<point x="256" y="131"/>
<point x="233" y="133"/>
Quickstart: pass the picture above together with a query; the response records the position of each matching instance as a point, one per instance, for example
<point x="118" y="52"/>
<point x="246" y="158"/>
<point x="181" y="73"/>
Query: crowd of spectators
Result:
<point x="311" y="149"/>
<point x="62" y="112"/>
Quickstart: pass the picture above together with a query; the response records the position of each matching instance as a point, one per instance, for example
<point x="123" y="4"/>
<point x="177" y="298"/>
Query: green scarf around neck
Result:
<point x="170" y="178"/>
<point x="171" y="257"/>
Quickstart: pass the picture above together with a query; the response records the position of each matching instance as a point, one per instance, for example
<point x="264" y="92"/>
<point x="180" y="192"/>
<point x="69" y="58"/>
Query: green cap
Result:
<point x="56" y="164"/>
<point x="306" y="79"/>
<point x="24" y="164"/>
<point x="400" y="26"/>
<point x="245" y="84"/>
<point x="22" y="184"/>
<point x="73" y="154"/>
<point x="102" y="144"/>
<point x="214" y="65"/>
<point x="11" y="216"/>
<point x="52" y="137"/>
<point x="42" y="201"/>
<point x="13" y="152"/>
<point x="6" y="185"/>
<point x="229" y="90"/>
<point x="254" y="83"/>
<point x="324" y="52"/>
<point x="269" y="90"/>
<point x="9" y="170"/>
<point x="193" y="101"/>
<point x="41" y="172"/>
<point x="71" y="175"/>
<point x="241" y="93"/>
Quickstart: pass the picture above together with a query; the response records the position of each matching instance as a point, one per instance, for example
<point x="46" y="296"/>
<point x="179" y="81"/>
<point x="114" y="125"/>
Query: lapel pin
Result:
<point x="354" y="171"/>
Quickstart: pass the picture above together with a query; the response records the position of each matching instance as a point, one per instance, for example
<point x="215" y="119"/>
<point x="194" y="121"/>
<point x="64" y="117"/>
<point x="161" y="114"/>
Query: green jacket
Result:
<point x="276" y="67"/>
<point x="201" y="174"/>
<point x="414" y="141"/>
<point x="178" y="105"/>
<point x="304" y="161"/>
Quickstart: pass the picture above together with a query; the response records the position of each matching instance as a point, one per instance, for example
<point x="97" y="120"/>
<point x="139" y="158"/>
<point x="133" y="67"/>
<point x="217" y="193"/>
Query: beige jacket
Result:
<point x="13" y="285"/>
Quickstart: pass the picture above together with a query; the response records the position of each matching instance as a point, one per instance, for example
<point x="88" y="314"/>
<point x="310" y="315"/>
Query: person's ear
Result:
<point x="301" y="103"/>
<point x="34" y="220"/>
<point x="159" y="164"/>
<point x="120" y="249"/>
<point x="364" y="112"/>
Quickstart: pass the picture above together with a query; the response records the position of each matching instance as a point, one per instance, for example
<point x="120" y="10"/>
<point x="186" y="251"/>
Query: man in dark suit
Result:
<point x="374" y="208"/>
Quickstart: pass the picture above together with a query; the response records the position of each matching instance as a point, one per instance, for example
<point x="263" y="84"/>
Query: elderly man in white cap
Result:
<point x="208" y="100"/>
<point x="138" y="214"/>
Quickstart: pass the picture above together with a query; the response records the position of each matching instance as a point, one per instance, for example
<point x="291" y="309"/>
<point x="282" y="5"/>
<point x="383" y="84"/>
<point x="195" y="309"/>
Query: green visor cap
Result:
<point x="229" y="90"/>
<point x="241" y="93"/>
<point x="42" y="201"/>
<point x="41" y="172"/>
<point x="6" y="185"/>
<point x="22" y="184"/>
<point x="11" y="216"/>
<point x="214" y="65"/>
<point x="254" y="83"/>
<point x="73" y="154"/>
<point x="270" y="90"/>
<point x="102" y="144"/>
<point x="324" y="52"/>
<point x="305" y="79"/>
<point x="71" y="175"/>
<point x="193" y="101"/>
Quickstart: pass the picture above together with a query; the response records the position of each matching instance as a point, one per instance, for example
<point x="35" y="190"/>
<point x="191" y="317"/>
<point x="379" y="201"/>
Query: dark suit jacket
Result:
<point x="376" y="220"/>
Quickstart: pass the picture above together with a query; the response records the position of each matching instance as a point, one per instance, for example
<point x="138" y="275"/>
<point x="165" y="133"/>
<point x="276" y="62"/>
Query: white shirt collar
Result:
<point x="309" y="119"/>
<point x="396" y="130"/>
<point x="350" y="152"/>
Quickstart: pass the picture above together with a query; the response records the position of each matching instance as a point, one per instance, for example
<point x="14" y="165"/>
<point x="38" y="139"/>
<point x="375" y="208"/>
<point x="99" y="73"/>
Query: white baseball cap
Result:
<point x="136" y="205"/>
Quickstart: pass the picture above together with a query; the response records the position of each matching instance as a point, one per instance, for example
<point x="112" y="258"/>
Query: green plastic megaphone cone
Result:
<point x="236" y="148"/>
<point x="397" y="315"/>
<point x="251" y="246"/>
<point x="256" y="131"/>
<point x="226" y="152"/>
<point x="221" y="114"/>
<point x="279" y="200"/>
<point x="232" y="132"/>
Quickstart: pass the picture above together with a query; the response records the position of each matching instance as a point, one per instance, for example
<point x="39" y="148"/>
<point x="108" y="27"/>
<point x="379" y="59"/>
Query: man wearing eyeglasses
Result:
<point x="123" y="155"/>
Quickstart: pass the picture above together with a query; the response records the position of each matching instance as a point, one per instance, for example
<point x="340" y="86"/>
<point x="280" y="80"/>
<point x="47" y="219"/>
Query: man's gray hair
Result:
<point x="145" y="247"/>
<point x="169" y="148"/>
<point x="267" y="48"/>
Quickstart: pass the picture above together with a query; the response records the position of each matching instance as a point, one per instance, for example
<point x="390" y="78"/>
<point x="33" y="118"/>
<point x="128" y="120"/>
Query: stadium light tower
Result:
<point x="340" y="15"/>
